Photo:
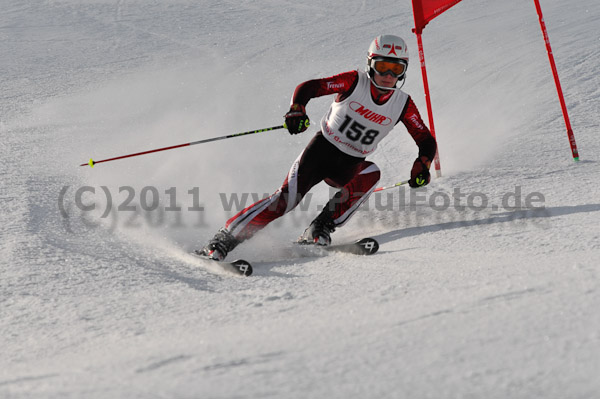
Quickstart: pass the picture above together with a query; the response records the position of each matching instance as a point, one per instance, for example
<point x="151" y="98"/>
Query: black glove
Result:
<point x="419" y="174"/>
<point x="296" y="120"/>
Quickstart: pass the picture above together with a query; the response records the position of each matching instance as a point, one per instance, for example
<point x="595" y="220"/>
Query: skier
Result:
<point x="367" y="107"/>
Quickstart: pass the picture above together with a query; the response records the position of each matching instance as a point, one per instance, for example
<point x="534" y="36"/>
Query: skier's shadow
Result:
<point x="265" y="268"/>
<point x="293" y="256"/>
<point x="537" y="215"/>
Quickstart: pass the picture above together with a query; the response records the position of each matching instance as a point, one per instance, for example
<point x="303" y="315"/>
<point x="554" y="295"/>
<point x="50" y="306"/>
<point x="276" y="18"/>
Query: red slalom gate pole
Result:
<point x="436" y="160"/>
<point x="561" y="98"/>
<point x="91" y="162"/>
<point x="392" y="186"/>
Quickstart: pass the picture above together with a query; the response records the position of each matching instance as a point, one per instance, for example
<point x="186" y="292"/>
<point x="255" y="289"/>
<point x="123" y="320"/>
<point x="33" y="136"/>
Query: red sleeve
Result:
<point x="342" y="84"/>
<point x="417" y="129"/>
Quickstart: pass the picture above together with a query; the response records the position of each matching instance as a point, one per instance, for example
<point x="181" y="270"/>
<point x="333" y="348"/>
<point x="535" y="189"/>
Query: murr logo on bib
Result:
<point x="369" y="115"/>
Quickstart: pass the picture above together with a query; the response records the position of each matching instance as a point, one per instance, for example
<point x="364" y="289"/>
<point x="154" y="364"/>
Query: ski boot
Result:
<point x="319" y="231"/>
<point x="221" y="244"/>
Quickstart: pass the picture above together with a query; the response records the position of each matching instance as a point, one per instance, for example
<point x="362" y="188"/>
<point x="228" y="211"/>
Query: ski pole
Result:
<point x="91" y="163"/>
<point x="388" y="187"/>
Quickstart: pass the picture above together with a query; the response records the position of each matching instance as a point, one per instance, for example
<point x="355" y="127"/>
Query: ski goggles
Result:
<point x="383" y="67"/>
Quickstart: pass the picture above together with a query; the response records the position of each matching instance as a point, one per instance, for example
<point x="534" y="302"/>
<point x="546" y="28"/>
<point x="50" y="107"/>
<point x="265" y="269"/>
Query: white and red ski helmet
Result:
<point x="389" y="48"/>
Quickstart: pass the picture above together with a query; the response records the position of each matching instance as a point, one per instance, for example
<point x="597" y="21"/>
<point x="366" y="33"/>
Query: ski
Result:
<point x="364" y="246"/>
<point x="239" y="266"/>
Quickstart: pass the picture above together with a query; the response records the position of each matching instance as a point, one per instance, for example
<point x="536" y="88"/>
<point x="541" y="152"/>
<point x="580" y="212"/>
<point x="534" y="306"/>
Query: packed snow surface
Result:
<point x="487" y="283"/>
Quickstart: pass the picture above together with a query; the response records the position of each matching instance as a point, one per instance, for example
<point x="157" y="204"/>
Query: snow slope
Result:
<point x="484" y="297"/>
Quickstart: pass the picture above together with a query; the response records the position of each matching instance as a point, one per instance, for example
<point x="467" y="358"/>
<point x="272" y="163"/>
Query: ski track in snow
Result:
<point x="486" y="301"/>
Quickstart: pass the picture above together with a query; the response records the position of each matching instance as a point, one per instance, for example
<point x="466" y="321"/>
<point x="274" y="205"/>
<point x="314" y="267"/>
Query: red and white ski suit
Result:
<point x="357" y="120"/>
